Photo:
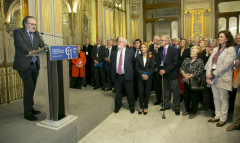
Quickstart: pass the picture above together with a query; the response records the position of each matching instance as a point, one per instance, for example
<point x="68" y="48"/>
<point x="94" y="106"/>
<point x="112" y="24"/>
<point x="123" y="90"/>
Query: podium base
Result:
<point x="56" y="125"/>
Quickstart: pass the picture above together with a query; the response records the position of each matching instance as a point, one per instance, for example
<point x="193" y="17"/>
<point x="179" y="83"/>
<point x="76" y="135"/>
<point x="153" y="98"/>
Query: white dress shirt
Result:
<point x="109" y="49"/>
<point x="144" y="61"/>
<point x="123" y="59"/>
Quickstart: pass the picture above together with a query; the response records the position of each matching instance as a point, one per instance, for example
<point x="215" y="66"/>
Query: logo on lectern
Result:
<point x="68" y="52"/>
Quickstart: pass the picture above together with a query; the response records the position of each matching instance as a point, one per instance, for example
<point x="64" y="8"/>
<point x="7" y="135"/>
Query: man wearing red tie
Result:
<point x="122" y="74"/>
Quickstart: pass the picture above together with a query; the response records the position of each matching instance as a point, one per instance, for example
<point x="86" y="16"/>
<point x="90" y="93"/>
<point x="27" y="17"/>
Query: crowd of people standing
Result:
<point x="134" y="70"/>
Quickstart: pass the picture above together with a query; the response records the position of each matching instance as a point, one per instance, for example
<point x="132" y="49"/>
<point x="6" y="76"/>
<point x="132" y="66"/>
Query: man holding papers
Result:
<point x="98" y="54"/>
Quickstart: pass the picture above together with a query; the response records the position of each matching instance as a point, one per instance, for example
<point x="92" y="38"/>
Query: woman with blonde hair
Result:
<point x="192" y="68"/>
<point x="145" y="68"/>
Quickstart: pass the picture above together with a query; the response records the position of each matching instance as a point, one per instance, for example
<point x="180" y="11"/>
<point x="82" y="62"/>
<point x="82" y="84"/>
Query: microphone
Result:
<point x="55" y="36"/>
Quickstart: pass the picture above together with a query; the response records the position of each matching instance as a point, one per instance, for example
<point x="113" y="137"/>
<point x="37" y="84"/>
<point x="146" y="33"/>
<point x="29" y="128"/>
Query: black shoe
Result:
<point x="139" y="111"/>
<point x="145" y="113"/>
<point x="108" y="89"/>
<point x="85" y="85"/>
<point x="132" y="110"/>
<point x="113" y="90"/>
<point x="93" y="85"/>
<point x="35" y="112"/>
<point x="116" y="110"/>
<point x="96" y="87"/>
<point x="177" y="112"/>
<point x="31" y="117"/>
<point x="165" y="108"/>
<point x="157" y="103"/>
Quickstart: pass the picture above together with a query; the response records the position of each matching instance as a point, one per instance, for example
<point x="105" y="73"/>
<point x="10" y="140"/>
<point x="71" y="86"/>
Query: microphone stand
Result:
<point x="55" y="36"/>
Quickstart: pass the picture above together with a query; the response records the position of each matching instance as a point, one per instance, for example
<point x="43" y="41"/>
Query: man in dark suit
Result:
<point x="26" y="41"/>
<point x="122" y="74"/>
<point x="87" y="49"/>
<point x="176" y="43"/>
<point x="108" y="66"/>
<point x="98" y="53"/>
<point x="154" y="45"/>
<point x="137" y="51"/>
<point x="167" y="65"/>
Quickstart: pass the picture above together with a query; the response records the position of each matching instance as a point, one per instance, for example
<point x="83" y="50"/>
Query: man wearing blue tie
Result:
<point x="26" y="41"/>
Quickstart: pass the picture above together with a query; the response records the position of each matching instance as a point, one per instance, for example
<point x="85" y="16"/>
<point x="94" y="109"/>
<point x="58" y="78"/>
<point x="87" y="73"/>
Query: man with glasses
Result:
<point x="122" y="61"/>
<point x="167" y="62"/>
<point x="26" y="41"/>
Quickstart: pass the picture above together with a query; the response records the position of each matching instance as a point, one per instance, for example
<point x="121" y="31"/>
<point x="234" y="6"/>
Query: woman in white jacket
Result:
<point x="219" y="75"/>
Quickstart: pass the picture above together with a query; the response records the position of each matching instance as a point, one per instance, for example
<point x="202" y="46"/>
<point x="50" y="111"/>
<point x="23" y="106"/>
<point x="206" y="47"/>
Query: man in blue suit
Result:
<point x="26" y="41"/>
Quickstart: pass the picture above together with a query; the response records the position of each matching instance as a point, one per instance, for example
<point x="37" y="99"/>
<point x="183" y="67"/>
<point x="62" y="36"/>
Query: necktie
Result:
<point x="154" y="47"/>
<point x="237" y="51"/>
<point x="164" y="54"/>
<point x="137" y="52"/>
<point x="31" y="39"/>
<point x="86" y="47"/>
<point x="98" y="48"/>
<point x="120" y="64"/>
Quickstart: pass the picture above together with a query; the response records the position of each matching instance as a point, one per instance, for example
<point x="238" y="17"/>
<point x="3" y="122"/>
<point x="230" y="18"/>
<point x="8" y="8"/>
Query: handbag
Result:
<point x="195" y="84"/>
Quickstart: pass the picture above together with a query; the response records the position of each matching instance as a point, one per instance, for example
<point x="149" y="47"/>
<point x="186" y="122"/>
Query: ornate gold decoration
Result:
<point x="197" y="23"/>
<point x="187" y="12"/>
<point x="3" y="89"/>
<point x="10" y="87"/>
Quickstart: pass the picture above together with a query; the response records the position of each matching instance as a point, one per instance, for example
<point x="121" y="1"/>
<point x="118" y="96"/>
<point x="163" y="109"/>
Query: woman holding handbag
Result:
<point x="78" y="69"/>
<point x="219" y="75"/>
<point x="192" y="68"/>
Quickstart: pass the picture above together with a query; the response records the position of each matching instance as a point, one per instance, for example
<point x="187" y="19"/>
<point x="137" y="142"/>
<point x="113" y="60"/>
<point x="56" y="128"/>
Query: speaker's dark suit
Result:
<point x="99" y="55"/>
<point x="88" y="66"/>
<point x="124" y="80"/>
<point x="28" y="71"/>
<point x="144" y="86"/>
<point x="108" y="66"/>
<point x="170" y="78"/>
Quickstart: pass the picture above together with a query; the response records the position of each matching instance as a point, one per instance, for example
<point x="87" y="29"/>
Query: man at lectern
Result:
<point x="26" y="41"/>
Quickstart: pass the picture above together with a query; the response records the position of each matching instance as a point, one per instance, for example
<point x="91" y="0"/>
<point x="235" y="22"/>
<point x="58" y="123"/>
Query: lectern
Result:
<point x="55" y="72"/>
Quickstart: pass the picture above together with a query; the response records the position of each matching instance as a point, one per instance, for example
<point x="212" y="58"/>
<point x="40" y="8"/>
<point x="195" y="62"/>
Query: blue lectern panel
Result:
<point x="63" y="52"/>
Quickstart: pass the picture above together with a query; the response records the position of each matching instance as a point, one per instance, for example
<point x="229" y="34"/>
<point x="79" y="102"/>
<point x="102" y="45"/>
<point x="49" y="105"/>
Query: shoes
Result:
<point x="233" y="127"/>
<point x="113" y="90"/>
<point x="96" y="87"/>
<point x="165" y="108"/>
<point x="35" y="112"/>
<point x="103" y="88"/>
<point x="31" y="117"/>
<point x="202" y="108"/>
<point x="191" y="116"/>
<point x="116" y="110"/>
<point x="93" y="85"/>
<point x="157" y="103"/>
<point x="132" y="110"/>
<point x="185" y="113"/>
<point x="177" y="112"/>
<point x="108" y="89"/>
<point x="140" y="112"/>
<point x="220" y="124"/>
<point x="213" y="120"/>
<point x="145" y="112"/>
<point x="85" y="85"/>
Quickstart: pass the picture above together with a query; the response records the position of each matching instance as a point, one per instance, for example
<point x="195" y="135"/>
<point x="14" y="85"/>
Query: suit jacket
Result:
<point x="128" y="64"/>
<point x="223" y="73"/>
<point x="108" y="65"/>
<point x="23" y="46"/>
<point x="149" y="66"/>
<point x="185" y="54"/>
<point x="89" y="50"/>
<point x="101" y="53"/>
<point x="171" y="62"/>
<point x="151" y="47"/>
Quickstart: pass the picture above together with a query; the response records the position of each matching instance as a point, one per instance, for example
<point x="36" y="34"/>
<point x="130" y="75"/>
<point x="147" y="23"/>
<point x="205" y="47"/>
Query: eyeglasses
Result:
<point x="162" y="40"/>
<point x="32" y="24"/>
<point x="120" y="41"/>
